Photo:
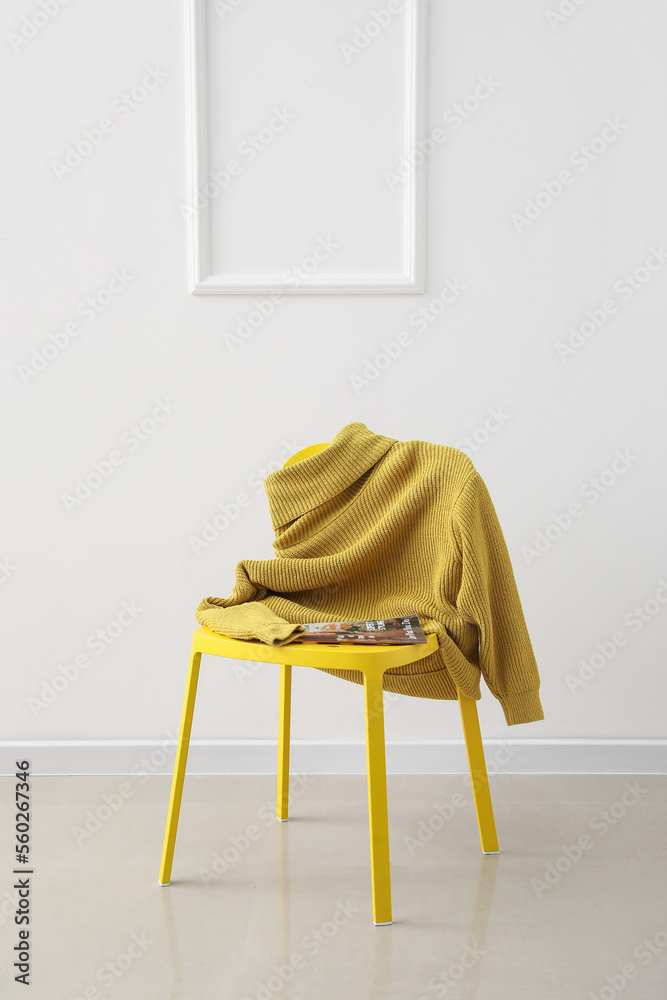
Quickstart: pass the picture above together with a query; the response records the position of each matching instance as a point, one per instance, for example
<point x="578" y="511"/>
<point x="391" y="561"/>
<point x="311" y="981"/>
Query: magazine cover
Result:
<point x="386" y="631"/>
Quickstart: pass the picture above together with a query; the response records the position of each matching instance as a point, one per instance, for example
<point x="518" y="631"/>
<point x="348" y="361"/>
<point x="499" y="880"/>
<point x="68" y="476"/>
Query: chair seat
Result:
<point x="351" y="656"/>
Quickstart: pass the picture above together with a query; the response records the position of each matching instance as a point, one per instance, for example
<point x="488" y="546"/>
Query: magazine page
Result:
<point x="383" y="631"/>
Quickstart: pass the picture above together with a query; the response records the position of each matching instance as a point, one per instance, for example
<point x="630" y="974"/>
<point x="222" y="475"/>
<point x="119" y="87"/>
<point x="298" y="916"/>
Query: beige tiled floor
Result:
<point x="290" y="916"/>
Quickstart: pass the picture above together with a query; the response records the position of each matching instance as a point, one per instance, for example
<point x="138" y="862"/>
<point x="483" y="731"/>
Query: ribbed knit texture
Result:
<point x="372" y="527"/>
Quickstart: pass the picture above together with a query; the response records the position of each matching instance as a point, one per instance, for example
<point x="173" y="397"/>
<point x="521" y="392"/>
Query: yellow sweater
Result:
<point x="373" y="527"/>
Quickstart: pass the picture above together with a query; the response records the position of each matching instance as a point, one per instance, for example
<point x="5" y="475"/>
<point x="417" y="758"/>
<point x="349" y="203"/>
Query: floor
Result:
<point x="574" y="906"/>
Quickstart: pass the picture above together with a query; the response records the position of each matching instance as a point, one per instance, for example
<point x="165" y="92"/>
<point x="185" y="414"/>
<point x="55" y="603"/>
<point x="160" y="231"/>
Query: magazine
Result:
<point x="383" y="631"/>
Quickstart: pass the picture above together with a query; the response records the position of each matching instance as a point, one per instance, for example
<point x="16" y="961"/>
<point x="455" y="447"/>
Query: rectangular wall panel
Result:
<point x="303" y="116"/>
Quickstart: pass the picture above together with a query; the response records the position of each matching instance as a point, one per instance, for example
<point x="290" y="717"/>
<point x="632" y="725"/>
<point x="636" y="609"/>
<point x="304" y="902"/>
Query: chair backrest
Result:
<point x="306" y="453"/>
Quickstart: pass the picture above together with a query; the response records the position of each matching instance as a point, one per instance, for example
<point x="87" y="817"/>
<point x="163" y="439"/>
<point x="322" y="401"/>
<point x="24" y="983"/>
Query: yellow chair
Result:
<point x="372" y="662"/>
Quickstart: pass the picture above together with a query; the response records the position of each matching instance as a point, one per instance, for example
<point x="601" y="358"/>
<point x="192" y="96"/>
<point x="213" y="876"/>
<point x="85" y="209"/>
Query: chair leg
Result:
<point x="377" y="800"/>
<point x="179" y="768"/>
<point x="478" y="775"/>
<point x="284" y="741"/>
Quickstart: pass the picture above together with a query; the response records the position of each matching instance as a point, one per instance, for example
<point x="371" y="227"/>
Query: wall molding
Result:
<point x="558" y="756"/>
<point x="202" y="280"/>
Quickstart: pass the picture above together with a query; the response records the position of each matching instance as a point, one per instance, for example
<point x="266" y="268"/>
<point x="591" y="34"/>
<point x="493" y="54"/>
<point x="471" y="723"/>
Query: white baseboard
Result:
<point x="558" y="756"/>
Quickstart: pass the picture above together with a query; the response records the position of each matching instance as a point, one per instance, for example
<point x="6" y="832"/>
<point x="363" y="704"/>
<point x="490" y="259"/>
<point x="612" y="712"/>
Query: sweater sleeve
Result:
<point x="243" y="616"/>
<point x="488" y="597"/>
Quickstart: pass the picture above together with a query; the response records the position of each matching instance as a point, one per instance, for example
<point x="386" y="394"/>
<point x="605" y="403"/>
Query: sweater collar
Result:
<point x="295" y="489"/>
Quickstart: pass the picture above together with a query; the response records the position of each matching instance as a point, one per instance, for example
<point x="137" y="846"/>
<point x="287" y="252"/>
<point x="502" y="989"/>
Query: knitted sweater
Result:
<point x="373" y="527"/>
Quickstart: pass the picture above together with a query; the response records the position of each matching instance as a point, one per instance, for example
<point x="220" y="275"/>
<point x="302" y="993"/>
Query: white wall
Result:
<point x="235" y="413"/>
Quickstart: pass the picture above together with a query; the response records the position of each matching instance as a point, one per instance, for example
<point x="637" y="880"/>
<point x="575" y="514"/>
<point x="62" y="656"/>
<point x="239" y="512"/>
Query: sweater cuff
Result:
<point x="522" y="706"/>
<point x="251" y="620"/>
<point x="278" y="635"/>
